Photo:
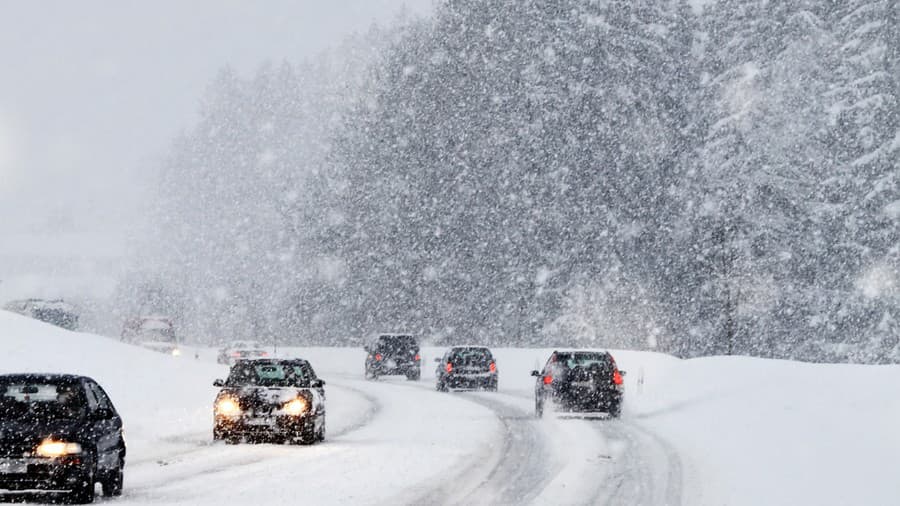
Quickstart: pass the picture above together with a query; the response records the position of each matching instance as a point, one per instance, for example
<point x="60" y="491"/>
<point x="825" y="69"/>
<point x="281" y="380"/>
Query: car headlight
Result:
<point x="296" y="407"/>
<point x="226" y="406"/>
<point x="51" y="448"/>
<point x="176" y="352"/>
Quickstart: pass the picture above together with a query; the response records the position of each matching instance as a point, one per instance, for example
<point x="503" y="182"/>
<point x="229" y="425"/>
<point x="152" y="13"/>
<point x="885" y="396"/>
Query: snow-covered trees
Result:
<point x="559" y="171"/>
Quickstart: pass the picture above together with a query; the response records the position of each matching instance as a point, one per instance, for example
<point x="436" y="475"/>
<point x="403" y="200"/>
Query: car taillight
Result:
<point x="378" y="356"/>
<point x="449" y="367"/>
<point x="264" y="354"/>
<point x="617" y="378"/>
<point x="493" y="367"/>
<point x="548" y="379"/>
<point x="418" y="357"/>
<point x="235" y="354"/>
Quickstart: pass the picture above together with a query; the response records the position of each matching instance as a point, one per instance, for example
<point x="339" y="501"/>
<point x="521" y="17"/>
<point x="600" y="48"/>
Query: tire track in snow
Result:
<point x="206" y="458"/>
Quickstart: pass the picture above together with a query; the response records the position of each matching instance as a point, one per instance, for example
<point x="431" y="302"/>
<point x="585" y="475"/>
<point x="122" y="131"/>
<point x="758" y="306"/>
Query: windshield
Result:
<point x="36" y="401"/>
<point x="268" y="375"/>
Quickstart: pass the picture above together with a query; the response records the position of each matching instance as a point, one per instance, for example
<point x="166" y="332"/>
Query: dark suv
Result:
<point x="466" y="367"/>
<point x="393" y="354"/>
<point x="61" y="434"/>
<point x="579" y="382"/>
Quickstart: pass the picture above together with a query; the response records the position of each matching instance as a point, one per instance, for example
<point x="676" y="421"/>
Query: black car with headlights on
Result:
<point x="59" y="434"/>
<point x="279" y="400"/>
<point x="579" y="382"/>
<point x="466" y="367"/>
<point x="393" y="354"/>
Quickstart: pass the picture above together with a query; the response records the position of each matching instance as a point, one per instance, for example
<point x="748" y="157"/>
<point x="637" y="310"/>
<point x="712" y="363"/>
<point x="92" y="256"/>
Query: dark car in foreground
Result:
<point x="393" y="354"/>
<point x="579" y="382"/>
<point x="277" y="400"/>
<point x="59" y="434"/>
<point x="467" y="367"/>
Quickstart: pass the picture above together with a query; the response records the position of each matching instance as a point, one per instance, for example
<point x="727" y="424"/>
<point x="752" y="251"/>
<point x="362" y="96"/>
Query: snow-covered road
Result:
<point x="394" y="441"/>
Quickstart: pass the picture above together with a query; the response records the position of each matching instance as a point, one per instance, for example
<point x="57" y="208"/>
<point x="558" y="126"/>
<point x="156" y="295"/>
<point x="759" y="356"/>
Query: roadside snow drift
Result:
<point x="712" y="431"/>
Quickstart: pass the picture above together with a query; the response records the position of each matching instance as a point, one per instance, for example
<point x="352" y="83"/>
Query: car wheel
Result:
<point x="112" y="485"/>
<point x="492" y="386"/>
<point x="83" y="493"/>
<point x="414" y="376"/>
<point x="615" y="410"/>
<point x="231" y="439"/>
<point x="538" y="408"/>
<point x="320" y="436"/>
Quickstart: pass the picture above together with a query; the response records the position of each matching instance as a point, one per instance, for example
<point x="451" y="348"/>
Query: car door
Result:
<point x="106" y="427"/>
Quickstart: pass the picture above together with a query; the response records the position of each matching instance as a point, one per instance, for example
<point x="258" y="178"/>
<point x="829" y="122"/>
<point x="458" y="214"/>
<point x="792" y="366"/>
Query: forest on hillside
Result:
<point x="621" y="173"/>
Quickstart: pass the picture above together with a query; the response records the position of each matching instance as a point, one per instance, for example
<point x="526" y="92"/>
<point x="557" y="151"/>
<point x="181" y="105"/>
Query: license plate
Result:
<point x="13" y="466"/>
<point x="390" y="363"/>
<point x="261" y="421"/>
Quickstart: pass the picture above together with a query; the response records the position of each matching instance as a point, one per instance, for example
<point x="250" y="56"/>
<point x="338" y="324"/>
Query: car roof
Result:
<point x="35" y="376"/>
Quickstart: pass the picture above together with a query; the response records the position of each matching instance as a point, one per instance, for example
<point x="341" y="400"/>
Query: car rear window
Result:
<point x="34" y="400"/>
<point x="584" y="359"/>
<point x="470" y="356"/>
<point x="392" y="344"/>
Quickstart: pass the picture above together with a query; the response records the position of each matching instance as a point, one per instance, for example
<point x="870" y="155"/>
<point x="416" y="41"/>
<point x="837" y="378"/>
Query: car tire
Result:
<point x="615" y="409"/>
<point x="84" y="491"/>
<point x="491" y="386"/>
<point x="538" y="409"/>
<point x="112" y="484"/>
<point x="414" y="376"/>
<point x="320" y="435"/>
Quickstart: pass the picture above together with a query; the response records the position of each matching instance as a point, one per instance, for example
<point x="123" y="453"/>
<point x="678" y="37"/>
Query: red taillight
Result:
<point x="235" y="354"/>
<point x="548" y="379"/>
<point x="449" y="367"/>
<point x="493" y="367"/>
<point x="617" y="378"/>
<point x="264" y="354"/>
<point x="378" y="356"/>
<point x="418" y="357"/>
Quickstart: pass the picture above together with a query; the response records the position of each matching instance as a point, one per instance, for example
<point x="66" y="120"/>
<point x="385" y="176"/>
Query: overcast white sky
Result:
<point x="93" y="91"/>
<point x="91" y="94"/>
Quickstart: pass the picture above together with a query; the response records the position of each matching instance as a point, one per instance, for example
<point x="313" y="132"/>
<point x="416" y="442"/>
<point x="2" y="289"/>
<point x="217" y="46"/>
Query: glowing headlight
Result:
<point x="226" y="406"/>
<point x="296" y="407"/>
<point x="50" y="448"/>
<point x="176" y="352"/>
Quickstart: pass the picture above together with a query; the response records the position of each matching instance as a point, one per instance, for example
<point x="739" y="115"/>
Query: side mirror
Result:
<point x="622" y="373"/>
<point x="438" y="360"/>
<point x="219" y="383"/>
<point x="535" y="373"/>
<point x="318" y="383"/>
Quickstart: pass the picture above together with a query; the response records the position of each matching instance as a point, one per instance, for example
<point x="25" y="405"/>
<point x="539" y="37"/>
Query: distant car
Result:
<point x="240" y="349"/>
<point x="60" y="434"/>
<point x="393" y="354"/>
<point x="56" y="312"/>
<point x="278" y="400"/>
<point x="467" y="367"/>
<point x="579" y="382"/>
<point x="153" y="332"/>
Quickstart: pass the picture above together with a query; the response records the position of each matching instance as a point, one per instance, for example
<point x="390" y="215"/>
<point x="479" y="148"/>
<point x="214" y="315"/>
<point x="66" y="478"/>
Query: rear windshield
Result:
<point x="41" y="400"/>
<point x="284" y="374"/>
<point x="470" y="356"/>
<point x="394" y="344"/>
<point x="584" y="359"/>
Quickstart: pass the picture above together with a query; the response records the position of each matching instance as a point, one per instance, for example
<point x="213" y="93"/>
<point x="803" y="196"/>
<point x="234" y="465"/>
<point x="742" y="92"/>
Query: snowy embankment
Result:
<point x="725" y="430"/>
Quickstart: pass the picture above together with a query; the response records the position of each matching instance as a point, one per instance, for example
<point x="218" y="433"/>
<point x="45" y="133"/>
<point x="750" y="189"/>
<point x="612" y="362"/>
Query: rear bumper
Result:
<point x="469" y="380"/>
<point x="586" y="401"/>
<point x="403" y="369"/>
